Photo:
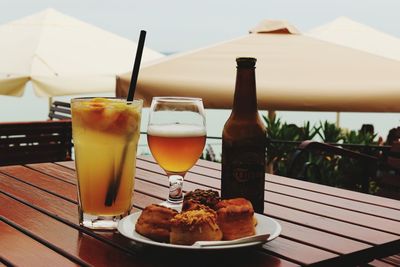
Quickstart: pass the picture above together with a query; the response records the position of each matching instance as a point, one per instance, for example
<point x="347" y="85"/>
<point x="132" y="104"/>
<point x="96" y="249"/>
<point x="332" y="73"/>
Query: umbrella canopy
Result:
<point x="346" y="32"/>
<point x="62" y="56"/>
<point x="294" y="72"/>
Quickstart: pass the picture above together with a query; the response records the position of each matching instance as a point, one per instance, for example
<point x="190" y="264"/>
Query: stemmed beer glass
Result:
<point x="176" y="135"/>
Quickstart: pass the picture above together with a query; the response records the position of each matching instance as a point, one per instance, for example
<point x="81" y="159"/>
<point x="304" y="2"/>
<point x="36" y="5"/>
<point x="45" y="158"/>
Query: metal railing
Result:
<point x="383" y="148"/>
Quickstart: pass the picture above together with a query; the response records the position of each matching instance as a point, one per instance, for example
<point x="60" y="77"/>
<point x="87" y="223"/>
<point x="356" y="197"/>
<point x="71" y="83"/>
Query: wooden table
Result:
<point x="322" y="226"/>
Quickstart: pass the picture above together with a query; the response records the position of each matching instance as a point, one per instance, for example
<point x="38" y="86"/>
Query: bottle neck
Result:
<point x="245" y="98"/>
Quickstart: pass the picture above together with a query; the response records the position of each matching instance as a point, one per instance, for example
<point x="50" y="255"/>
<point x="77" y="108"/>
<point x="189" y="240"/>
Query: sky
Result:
<point x="181" y="25"/>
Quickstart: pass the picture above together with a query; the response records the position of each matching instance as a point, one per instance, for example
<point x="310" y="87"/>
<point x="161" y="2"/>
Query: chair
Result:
<point x="389" y="173"/>
<point x="60" y="110"/>
<point x="361" y="169"/>
<point x="34" y="142"/>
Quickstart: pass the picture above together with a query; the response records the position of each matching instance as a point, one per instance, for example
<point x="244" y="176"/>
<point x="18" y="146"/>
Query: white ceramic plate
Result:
<point x="265" y="225"/>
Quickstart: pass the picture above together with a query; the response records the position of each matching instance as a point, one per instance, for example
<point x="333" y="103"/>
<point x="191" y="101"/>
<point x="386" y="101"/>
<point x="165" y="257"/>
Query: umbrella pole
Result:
<point x="50" y="102"/>
<point x="269" y="168"/>
<point x="337" y="119"/>
<point x="271" y="114"/>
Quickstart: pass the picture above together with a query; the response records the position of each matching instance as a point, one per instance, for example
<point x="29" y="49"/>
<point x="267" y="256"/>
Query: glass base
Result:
<point x="172" y="205"/>
<point x="175" y="200"/>
<point x="96" y="222"/>
<point x="175" y="188"/>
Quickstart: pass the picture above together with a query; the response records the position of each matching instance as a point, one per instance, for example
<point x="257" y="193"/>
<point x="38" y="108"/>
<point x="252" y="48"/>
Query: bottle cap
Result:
<point x="246" y="62"/>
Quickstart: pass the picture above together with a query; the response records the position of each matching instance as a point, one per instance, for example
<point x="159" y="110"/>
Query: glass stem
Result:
<point x="175" y="188"/>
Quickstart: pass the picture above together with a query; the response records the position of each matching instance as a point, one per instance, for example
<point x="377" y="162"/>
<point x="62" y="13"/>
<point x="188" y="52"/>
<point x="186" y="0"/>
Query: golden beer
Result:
<point x="176" y="147"/>
<point x="105" y="134"/>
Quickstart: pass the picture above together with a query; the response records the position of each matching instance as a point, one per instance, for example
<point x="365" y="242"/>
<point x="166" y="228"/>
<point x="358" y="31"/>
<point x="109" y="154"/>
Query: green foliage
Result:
<point x="359" y="137"/>
<point x="332" y="170"/>
<point x="330" y="133"/>
<point x="273" y="127"/>
<point x="308" y="132"/>
<point x="278" y="153"/>
<point x="324" y="168"/>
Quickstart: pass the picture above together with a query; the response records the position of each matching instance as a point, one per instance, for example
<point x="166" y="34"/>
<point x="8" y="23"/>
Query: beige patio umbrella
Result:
<point x="347" y="32"/>
<point x="61" y="55"/>
<point x="294" y="72"/>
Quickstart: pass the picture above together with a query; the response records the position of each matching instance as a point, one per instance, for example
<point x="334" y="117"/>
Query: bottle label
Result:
<point x="248" y="167"/>
<point x="243" y="172"/>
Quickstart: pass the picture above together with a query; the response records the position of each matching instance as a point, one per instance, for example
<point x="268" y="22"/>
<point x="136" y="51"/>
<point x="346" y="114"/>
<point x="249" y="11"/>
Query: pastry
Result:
<point x="235" y="217"/>
<point x="155" y="222"/>
<point x="194" y="225"/>
<point x="206" y="197"/>
<point x="195" y="205"/>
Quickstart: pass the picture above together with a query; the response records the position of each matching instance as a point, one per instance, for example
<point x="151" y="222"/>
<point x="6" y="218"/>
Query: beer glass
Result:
<point x="176" y="135"/>
<point x="105" y="133"/>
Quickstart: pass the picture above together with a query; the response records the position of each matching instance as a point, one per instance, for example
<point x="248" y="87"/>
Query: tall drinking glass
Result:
<point x="105" y="133"/>
<point x="176" y="135"/>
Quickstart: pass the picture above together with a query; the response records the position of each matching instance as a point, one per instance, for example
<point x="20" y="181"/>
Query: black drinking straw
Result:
<point x="114" y="183"/>
<point x="136" y="66"/>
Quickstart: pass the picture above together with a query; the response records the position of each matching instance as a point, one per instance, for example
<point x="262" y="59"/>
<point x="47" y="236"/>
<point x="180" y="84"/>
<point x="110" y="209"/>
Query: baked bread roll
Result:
<point x="235" y="217"/>
<point x="195" y="205"/>
<point x="194" y="225"/>
<point x="154" y="222"/>
<point x="206" y="197"/>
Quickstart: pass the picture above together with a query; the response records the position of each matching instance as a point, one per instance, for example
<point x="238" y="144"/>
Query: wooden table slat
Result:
<point x="353" y="217"/>
<point x="56" y="171"/>
<point x="40" y="198"/>
<point x="17" y="247"/>
<point x="394" y="259"/>
<point x="299" y="252"/>
<point x="379" y="263"/>
<point x="40" y="180"/>
<point x="62" y="236"/>
<point x="331" y="242"/>
<point x="66" y="164"/>
<point x="345" y="229"/>
<point x="337" y="192"/>
<point x="338" y="202"/>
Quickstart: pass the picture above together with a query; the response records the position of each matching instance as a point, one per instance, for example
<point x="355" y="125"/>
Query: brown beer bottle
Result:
<point x="244" y="141"/>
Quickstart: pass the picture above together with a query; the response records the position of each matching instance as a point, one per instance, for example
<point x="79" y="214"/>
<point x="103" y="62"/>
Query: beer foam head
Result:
<point x="176" y="130"/>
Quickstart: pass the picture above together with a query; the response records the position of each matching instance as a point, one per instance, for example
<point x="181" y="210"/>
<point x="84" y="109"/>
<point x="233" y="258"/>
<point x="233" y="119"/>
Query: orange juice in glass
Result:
<point x="105" y="134"/>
